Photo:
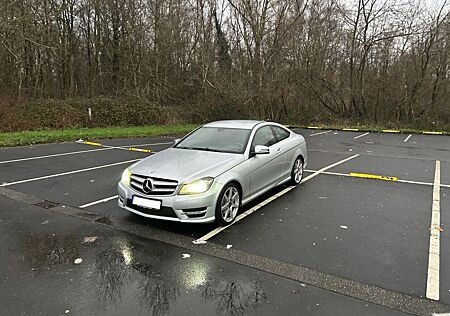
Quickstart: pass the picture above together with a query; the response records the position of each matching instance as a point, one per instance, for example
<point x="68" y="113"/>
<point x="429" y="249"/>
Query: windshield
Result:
<point x="230" y="140"/>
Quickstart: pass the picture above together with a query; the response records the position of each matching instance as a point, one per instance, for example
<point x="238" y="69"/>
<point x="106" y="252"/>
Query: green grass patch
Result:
<point x="72" y="134"/>
<point x="52" y="136"/>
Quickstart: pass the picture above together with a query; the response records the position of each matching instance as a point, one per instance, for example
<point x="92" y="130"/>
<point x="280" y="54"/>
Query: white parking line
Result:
<point x="362" y="135"/>
<point x="435" y="234"/>
<point x="53" y="155"/>
<point x="408" y="137"/>
<point x="78" y="152"/>
<point x="270" y="199"/>
<point x="399" y="180"/>
<point x="320" y="133"/>
<point x="67" y="173"/>
<point x="99" y="201"/>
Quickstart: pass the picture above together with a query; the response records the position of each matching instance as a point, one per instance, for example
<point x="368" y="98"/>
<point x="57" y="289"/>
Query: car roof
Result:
<point x="244" y="124"/>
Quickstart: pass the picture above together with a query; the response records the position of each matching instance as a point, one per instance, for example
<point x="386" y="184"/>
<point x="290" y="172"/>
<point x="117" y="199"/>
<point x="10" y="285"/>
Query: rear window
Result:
<point x="280" y="133"/>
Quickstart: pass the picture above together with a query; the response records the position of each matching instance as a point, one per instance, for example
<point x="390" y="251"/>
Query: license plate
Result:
<point x="147" y="203"/>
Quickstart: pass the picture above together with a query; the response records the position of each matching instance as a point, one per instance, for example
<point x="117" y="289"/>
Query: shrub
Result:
<point x="69" y="113"/>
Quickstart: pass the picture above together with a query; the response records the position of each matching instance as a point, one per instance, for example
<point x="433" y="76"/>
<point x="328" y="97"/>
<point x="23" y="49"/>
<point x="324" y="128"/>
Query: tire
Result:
<point x="228" y="204"/>
<point x="297" y="172"/>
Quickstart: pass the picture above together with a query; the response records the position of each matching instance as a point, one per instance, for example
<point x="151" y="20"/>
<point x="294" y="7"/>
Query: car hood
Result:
<point x="186" y="165"/>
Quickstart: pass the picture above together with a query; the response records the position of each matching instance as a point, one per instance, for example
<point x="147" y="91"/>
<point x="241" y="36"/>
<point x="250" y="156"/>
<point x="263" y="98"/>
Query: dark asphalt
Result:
<point x="406" y="169"/>
<point x="375" y="248"/>
<point x="123" y="274"/>
<point x="445" y="172"/>
<point x="384" y="241"/>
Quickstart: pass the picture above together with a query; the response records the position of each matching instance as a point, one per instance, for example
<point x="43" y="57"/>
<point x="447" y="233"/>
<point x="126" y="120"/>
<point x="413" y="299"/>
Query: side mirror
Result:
<point x="261" y="150"/>
<point x="176" y="141"/>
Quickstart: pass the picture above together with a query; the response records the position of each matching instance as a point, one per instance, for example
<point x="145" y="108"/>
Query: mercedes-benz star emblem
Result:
<point x="147" y="186"/>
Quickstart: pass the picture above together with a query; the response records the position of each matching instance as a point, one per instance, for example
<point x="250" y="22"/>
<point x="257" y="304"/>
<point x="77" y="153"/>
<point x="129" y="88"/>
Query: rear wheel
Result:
<point x="228" y="204"/>
<point x="297" y="171"/>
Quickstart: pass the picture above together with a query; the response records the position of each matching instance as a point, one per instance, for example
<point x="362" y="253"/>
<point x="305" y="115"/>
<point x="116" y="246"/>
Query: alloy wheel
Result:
<point x="297" y="171"/>
<point x="229" y="205"/>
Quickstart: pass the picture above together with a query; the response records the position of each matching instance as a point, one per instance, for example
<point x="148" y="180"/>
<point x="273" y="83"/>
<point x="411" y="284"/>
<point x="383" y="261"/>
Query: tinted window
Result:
<point x="232" y="140"/>
<point x="264" y="137"/>
<point x="280" y="133"/>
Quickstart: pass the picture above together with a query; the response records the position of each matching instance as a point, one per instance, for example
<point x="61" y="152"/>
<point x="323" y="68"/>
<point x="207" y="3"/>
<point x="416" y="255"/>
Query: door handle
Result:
<point x="279" y="150"/>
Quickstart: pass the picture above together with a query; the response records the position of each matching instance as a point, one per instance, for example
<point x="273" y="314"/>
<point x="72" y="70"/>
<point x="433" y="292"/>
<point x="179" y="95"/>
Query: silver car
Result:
<point x="211" y="172"/>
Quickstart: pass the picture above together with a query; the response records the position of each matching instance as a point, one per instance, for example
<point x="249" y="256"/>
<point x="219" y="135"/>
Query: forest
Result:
<point x="136" y="62"/>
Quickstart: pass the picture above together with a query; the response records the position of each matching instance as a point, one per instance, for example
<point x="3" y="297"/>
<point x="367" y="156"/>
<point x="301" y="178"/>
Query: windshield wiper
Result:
<point x="203" y="148"/>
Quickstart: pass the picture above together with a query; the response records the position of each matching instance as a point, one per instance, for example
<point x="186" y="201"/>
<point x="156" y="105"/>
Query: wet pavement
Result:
<point x="124" y="274"/>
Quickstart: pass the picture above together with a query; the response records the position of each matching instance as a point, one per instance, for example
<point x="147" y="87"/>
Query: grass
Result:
<point x="72" y="134"/>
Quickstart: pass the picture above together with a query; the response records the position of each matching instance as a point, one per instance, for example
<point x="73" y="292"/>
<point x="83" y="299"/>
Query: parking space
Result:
<point x="80" y="188"/>
<point x="407" y="169"/>
<point x="317" y="160"/>
<point x="358" y="229"/>
<point x="45" y="151"/>
<point x="25" y="167"/>
<point x="445" y="172"/>
<point x="33" y="151"/>
<point x="371" y="231"/>
<point x="27" y="170"/>
<point x="429" y="147"/>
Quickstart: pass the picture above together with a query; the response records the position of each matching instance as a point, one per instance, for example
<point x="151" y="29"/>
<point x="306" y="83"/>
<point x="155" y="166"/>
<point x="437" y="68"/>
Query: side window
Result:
<point x="280" y="133"/>
<point x="264" y="137"/>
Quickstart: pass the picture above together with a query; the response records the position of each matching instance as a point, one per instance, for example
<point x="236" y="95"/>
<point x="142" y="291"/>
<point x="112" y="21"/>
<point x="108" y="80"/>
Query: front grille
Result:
<point x="160" y="186"/>
<point x="163" y="211"/>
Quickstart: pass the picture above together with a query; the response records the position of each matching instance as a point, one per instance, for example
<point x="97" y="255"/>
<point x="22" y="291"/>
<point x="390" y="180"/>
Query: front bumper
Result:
<point x="199" y="208"/>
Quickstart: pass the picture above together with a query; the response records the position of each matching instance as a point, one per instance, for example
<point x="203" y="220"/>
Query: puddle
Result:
<point x="117" y="275"/>
<point x="234" y="298"/>
<point x="156" y="281"/>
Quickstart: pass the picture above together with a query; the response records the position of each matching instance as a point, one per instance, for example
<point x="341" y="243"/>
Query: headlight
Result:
<point x="197" y="186"/>
<point x="126" y="176"/>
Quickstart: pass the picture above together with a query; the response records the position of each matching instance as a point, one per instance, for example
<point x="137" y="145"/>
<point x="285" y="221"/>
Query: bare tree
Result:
<point x="364" y="60"/>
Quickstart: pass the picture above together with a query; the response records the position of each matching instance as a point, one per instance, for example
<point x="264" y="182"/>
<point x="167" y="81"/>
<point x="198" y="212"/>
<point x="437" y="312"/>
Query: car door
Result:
<point x="265" y="169"/>
<point x="283" y="138"/>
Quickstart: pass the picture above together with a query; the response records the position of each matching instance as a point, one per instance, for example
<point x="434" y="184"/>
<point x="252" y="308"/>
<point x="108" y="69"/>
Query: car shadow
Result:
<point x="186" y="229"/>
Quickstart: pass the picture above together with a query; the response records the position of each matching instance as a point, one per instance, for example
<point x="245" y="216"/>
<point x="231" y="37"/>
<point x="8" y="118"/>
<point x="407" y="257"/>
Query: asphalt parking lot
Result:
<point x="338" y="225"/>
